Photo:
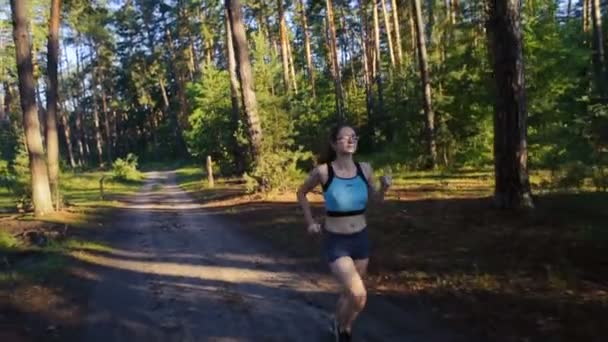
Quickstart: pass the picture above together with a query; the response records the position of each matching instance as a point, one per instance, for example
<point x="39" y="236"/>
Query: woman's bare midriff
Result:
<point x="345" y="224"/>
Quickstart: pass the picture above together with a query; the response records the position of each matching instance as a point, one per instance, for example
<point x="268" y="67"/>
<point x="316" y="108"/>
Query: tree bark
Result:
<point x="389" y="37"/>
<point x="378" y="58"/>
<point x="292" y="70"/>
<point x="367" y="76"/>
<point x="64" y="120"/>
<point x="399" y="49"/>
<point x="234" y="97"/>
<point x="250" y="103"/>
<point x="311" y="70"/>
<point x="331" y="25"/>
<point x="106" y="121"/>
<point x="598" y="48"/>
<point x="283" y="39"/>
<point x="426" y="85"/>
<point x="41" y="193"/>
<point x="586" y="15"/>
<point x="180" y="144"/>
<point x="512" y="187"/>
<point x="52" y="138"/>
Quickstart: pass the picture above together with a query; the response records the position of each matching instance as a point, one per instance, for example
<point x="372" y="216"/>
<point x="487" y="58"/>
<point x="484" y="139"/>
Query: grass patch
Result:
<point x="64" y="232"/>
<point x="194" y="181"/>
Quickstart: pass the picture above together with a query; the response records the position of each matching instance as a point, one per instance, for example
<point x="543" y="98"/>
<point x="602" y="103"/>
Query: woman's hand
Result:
<point x="385" y="182"/>
<point x="314" y="228"/>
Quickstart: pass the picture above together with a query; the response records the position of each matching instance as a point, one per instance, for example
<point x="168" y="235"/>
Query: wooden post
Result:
<point x="210" y="172"/>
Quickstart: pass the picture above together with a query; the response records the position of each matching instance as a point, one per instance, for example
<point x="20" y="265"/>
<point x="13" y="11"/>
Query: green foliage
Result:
<point x="126" y="169"/>
<point x="278" y="170"/>
<point x="573" y="176"/>
<point x="211" y="131"/>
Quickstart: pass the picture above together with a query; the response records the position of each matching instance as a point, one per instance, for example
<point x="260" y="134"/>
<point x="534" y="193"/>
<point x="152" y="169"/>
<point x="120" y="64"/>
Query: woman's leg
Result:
<point x="353" y="297"/>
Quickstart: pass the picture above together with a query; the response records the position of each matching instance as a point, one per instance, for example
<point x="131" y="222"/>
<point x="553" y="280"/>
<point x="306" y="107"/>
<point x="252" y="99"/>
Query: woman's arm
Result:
<point x="376" y="195"/>
<point x="314" y="179"/>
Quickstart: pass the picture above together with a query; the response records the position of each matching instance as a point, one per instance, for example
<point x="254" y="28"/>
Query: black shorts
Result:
<point x="355" y="245"/>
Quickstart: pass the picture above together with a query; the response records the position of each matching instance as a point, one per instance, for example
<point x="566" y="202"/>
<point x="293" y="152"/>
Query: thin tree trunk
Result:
<point x="41" y="193"/>
<point x="426" y="85"/>
<point x="64" y="119"/>
<point x="250" y="103"/>
<point x="80" y="123"/>
<point x="586" y="15"/>
<point x="80" y="138"/>
<point x="181" y="95"/>
<point x="98" y="138"/>
<point x="106" y="114"/>
<point x="334" y="61"/>
<point x="455" y="9"/>
<point x="283" y="39"/>
<point x="311" y="70"/>
<point x="598" y="48"/>
<point x="399" y="49"/>
<point x="389" y="37"/>
<point x="292" y="70"/>
<point x="234" y="96"/>
<point x="95" y="105"/>
<point x="410" y="20"/>
<point x="512" y="187"/>
<point x="431" y="22"/>
<point x="367" y="76"/>
<point x="378" y="58"/>
<point x="8" y="99"/>
<point x="52" y="138"/>
<point x="3" y="114"/>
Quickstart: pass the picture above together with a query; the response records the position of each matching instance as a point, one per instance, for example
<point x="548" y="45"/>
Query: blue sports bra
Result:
<point x="345" y="196"/>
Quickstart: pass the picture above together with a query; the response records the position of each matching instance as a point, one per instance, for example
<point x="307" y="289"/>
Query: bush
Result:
<point x="600" y="178"/>
<point x="276" y="171"/>
<point x="7" y="179"/>
<point x="126" y="169"/>
<point x="574" y="176"/>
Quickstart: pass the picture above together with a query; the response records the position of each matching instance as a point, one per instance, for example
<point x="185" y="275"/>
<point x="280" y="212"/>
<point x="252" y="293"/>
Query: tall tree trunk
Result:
<point x="106" y="121"/>
<point x="68" y="138"/>
<point x="455" y="10"/>
<point x="80" y="138"/>
<point x="98" y="137"/>
<point x="389" y="37"/>
<point x="52" y="139"/>
<point x="283" y="39"/>
<point x="586" y="15"/>
<point x="399" y="49"/>
<point x="250" y="103"/>
<point x="41" y="193"/>
<point x="311" y="70"/>
<point x="3" y="114"/>
<point x="331" y="25"/>
<point x="234" y="97"/>
<point x="367" y="76"/>
<point x="67" y="131"/>
<point x="181" y="95"/>
<point x="512" y="187"/>
<point x="426" y="85"/>
<point x="598" y="49"/>
<point x="96" y="121"/>
<point x="8" y="99"/>
<point x="378" y="58"/>
<point x="80" y="123"/>
<point x="292" y="69"/>
<point x="410" y="20"/>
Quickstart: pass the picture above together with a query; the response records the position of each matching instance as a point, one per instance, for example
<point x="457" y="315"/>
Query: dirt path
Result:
<point x="178" y="273"/>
